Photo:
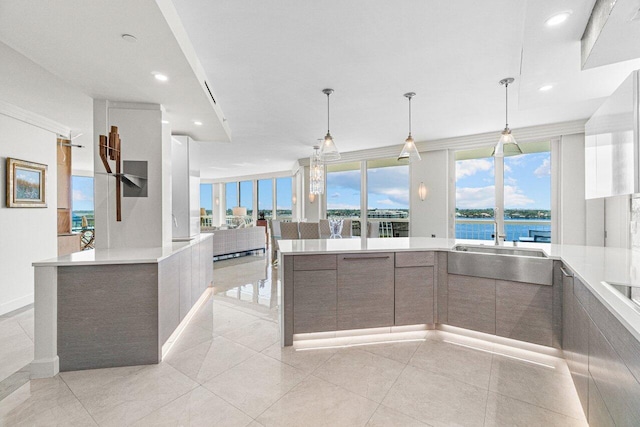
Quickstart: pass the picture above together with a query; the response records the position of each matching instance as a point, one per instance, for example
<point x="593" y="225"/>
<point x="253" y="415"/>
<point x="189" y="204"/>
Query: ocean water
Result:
<point x="483" y="231"/>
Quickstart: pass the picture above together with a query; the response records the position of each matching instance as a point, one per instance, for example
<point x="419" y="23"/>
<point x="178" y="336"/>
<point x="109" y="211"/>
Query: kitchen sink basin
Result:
<point x="502" y="263"/>
<point x="501" y="250"/>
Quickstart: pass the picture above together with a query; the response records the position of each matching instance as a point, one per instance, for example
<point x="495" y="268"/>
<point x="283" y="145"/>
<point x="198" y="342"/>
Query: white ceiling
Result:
<point x="80" y="42"/>
<point x="268" y="60"/>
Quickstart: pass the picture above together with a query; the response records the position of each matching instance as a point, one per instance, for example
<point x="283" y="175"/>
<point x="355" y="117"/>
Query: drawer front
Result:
<point x="414" y="296"/>
<point x="314" y="262"/>
<point x="415" y="259"/>
<point x="365" y="291"/>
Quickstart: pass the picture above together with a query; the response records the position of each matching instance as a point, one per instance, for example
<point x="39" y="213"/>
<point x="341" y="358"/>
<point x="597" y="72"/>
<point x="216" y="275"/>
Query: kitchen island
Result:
<point x="116" y="307"/>
<point x="336" y="288"/>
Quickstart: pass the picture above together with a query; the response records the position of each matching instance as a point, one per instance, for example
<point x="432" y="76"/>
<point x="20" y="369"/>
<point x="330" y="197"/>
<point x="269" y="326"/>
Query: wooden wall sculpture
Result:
<point x="110" y="147"/>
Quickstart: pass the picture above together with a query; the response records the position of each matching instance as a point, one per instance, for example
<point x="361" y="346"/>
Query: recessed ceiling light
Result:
<point x="197" y="123"/>
<point x="558" y="18"/>
<point x="129" y="38"/>
<point x="545" y="88"/>
<point x="165" y="122"/>
<point x="161" y="77"/>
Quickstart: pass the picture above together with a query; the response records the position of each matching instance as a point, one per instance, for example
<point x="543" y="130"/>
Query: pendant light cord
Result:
<point x="409" y="116"/>
<point x="506" y="103"/>
<point x="328" y="113"/>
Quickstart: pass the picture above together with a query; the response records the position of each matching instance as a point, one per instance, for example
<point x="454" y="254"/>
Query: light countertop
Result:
<point x="594" y="265"/>
<point x="121" y="256"/>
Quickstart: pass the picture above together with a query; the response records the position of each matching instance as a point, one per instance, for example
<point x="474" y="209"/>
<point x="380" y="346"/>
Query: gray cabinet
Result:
<point x="580" y="341"/>
<point x="567" y="307"/>
<point x="314" y="301"/>
<point x="597" y="412"/>
<point x="365" y="296"/>
<point x="185" y="282"/>
<point x="524" y="311"/>
<point x="472" y="303"/>
<point x="414" y="288"/>
<point x="195" y="274"/>
<point x="315" y="282"/>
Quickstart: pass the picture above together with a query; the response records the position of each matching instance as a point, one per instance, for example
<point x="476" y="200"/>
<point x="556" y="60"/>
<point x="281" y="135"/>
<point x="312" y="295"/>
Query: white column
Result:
<point x="45" y="362"/>
<point x="364" y="201"/>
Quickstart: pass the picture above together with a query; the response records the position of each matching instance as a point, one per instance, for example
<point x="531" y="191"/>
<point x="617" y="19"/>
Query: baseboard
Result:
<point x="8" y="307"/>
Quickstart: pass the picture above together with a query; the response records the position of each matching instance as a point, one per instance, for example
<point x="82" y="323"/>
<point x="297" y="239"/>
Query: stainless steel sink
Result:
<point x="501" y="250"/>
<point x="502" y="263"/>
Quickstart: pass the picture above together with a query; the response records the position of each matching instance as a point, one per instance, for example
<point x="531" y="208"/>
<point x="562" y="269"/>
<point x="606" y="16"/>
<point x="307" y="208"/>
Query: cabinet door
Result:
<point x="472" y="303"/>
<point x="185" y="282"/>
<point x="580" y="322"/>
<point x="567" y="307"/>
<point x="524" y="311"/>
<point x="195" y="274"/>
<point x="365" y="290"/>
<point x="414" y="295"/>
<point x="598" y="414"/>
<point x="314" y="301"/>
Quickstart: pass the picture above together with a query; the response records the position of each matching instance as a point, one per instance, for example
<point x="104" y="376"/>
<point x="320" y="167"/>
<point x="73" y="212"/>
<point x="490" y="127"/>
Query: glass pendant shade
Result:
<point x="328" y="151"/>
<point x="316" y="172"/>
<point x="409" y="150"/>
<point x="507" y="143"/>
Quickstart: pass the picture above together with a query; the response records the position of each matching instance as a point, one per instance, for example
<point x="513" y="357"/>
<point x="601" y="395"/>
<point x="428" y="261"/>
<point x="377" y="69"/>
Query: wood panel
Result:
<point x="365" y="290"/>
<point x="168" y="297"/>
<point x="107" y="316"/>
<point x="472" y="303"/>
<point x="415" y="259"/>
<point x="414" y="295"/>
<point x="598" y="414"/>
<point x="287" y="298"/>
<point x="64" y="221"/>
<point x="442" y="289"/>
<point x="580" y="340"/>
<point x="314" y="301"/>
<point x="68" y="244"/>
<point x="618" y="387"/>
<point x="524" y="312"/>
<point x="64" y="174"/>
<point x="315" y="262"/>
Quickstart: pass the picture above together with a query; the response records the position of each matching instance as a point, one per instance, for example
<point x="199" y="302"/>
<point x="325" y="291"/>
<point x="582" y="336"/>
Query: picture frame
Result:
<point x="26" y="184"/>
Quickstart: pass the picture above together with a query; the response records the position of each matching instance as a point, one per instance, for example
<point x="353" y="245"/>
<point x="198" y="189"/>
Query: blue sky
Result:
<point x="206" y="196"/>
<point x="388" y="188"/>
<point x="527" y="182"/>
<point x="82" y="193"/>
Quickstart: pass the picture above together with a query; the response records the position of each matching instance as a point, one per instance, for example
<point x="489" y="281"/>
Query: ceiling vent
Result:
<point x="210" y="94"/>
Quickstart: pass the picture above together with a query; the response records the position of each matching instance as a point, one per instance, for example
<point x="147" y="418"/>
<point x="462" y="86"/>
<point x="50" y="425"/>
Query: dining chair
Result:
<point x="274" y="235"/>
<point x="324" y="228"/>
<point x="346" y="228"/>
<point x="309" y="230"/>
<point x="289" y="231"/>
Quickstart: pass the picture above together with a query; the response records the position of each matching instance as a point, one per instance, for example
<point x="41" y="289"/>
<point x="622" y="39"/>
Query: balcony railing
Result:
<point x="482" y="229"/>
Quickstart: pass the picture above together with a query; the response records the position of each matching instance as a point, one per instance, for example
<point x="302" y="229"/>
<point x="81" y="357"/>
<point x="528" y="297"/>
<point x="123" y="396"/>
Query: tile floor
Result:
<point x="228" y="369"/>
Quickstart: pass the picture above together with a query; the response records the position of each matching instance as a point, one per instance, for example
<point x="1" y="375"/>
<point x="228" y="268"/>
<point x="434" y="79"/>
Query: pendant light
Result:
<point x="506" y="141"/>
<point x="409" y="151"/>
<point x="328" y="151"/>
<point x="316" y="172"/>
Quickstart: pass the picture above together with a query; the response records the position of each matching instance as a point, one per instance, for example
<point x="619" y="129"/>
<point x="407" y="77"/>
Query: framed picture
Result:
<point x="26" y="184"/>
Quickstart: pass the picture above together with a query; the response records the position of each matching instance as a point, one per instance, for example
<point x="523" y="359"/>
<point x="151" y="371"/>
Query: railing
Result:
<point x="482" y="229"/>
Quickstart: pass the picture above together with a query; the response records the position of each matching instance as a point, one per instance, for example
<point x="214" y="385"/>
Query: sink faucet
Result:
<point x="497" y="237"/>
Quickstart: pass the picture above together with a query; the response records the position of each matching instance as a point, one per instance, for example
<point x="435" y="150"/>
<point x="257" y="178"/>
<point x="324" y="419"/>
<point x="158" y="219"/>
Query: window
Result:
<point x="246" y="196"/>
<point x="206" y="203"/>
<point x="283" y="198"/>
<point x="388" y="196"/>
<point x="343" y="193"/>
<point x="526" y="183"/>
<point x="82" y="201"/>
<point x="231" y="197"/>
<point x="265" y="198"/>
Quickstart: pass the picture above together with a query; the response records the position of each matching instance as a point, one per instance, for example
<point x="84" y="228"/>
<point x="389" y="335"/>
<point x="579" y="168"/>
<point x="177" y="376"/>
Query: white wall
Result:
<point x="185" y="187"/>
<point x="616" y="221"/>
<point x="572" y="202"/>
<point x="26" y="234"/>
<point x="430" y="217"/>
<point x="146" y="221"/>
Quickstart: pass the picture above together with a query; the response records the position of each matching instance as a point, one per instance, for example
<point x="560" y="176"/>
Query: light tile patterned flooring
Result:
<point x="228" y="369"/>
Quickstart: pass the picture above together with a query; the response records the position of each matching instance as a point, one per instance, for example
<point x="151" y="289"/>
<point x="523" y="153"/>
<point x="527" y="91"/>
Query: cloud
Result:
<point x="472" y="166"/>
<point x="544" y="169"/>
<point x="331" y="205"/>
<point x="515" y="198"/>
<point x="475" y="197"/>
<point x="78" y="195"/>
<point x="484" y="197"/>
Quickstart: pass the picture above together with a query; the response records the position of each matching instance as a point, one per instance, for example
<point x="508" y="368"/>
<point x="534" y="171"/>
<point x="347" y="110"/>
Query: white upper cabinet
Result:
<point x="611" y="144"/>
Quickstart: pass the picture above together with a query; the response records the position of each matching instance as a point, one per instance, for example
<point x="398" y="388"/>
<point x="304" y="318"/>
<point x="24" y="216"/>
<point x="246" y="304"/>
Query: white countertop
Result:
<point x="592" y="264"/>
<point x="121" y="256"/>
